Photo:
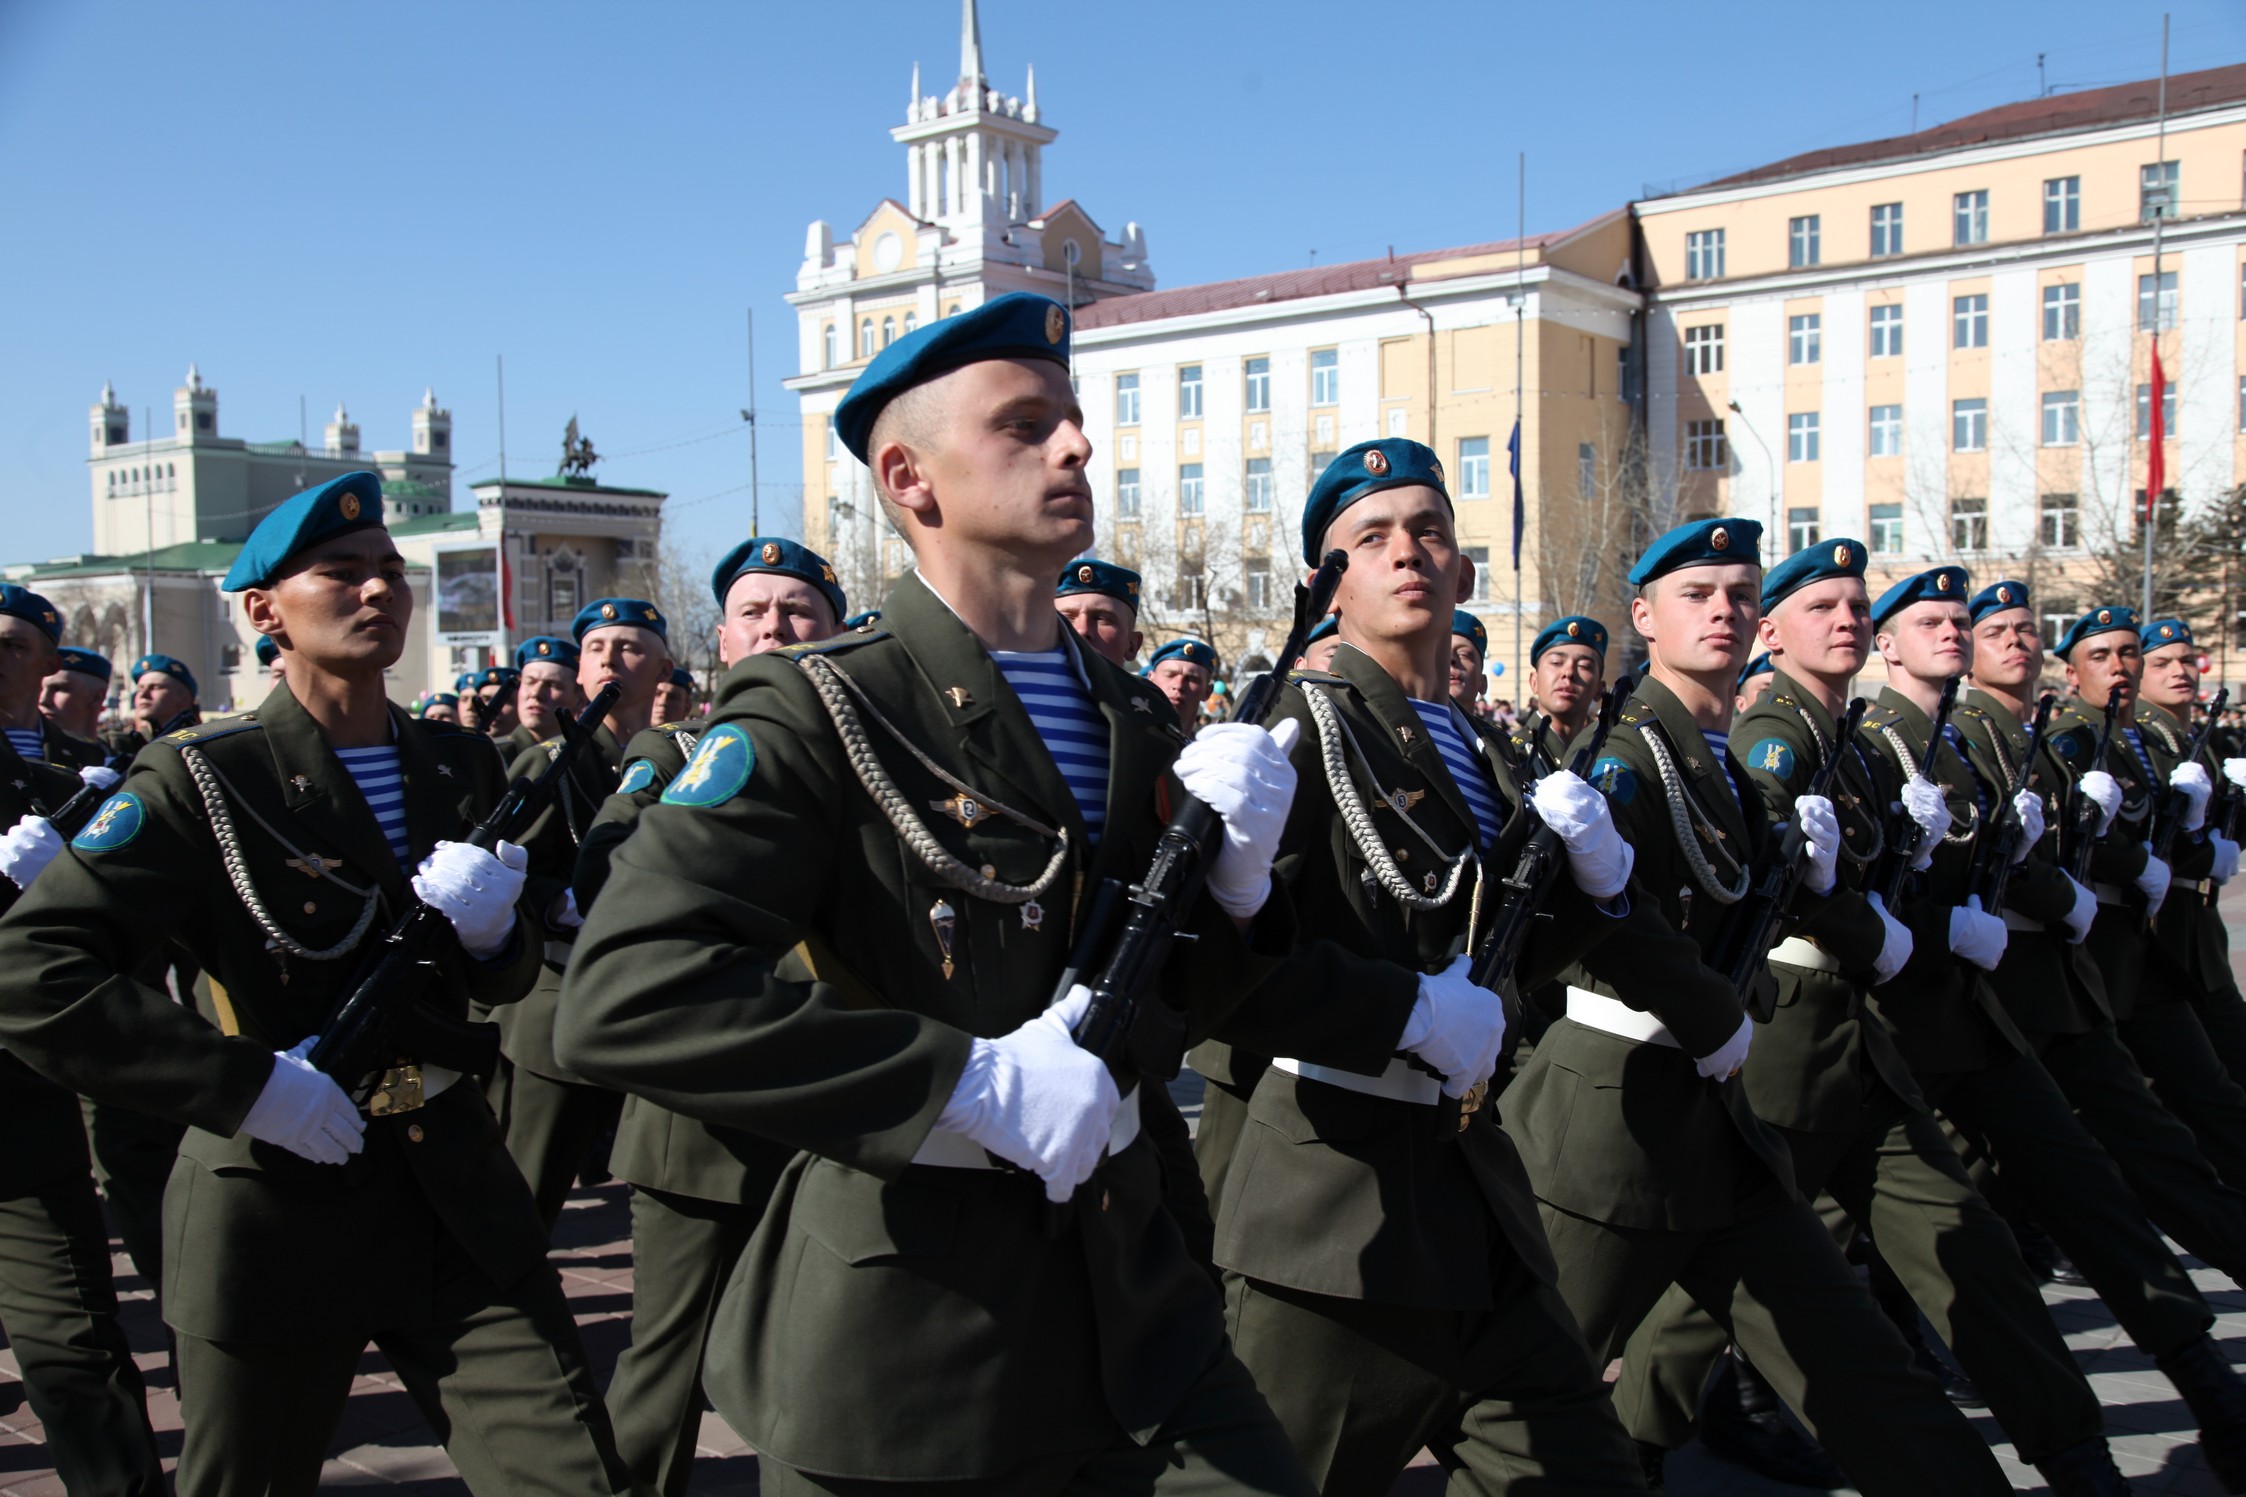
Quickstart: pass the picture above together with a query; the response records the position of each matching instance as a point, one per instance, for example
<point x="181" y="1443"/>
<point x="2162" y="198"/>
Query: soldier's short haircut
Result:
<point x="915" y="418"/>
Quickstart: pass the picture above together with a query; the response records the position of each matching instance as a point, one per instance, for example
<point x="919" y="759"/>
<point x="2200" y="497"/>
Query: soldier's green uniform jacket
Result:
<point x="2047" y="983"/>
<point x="2189" y="950"/>
<point x="1824" y="1049"/>
<point x="1317" y="1152"/>
<point x="518" y="741"/>
<point x="1627" y="1133"/>
<point x="67" y="749"/>
<point x="2117" y="942"/>
<point x="527" y="1028"/>
<point x="933" y="1294"/>
<point x="261" y="1245"/>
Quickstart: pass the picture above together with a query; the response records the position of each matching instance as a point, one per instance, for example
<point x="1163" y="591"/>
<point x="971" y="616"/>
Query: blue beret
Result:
<point x="1759" y="666"/>
<point x="603" y="613"/>
<point x="1365" y="469"/>
<point x="2161" y="633"/>
<point x="337" y="507"/>
<point x="1330" y="624"/>
<point x="1467" y="627"/>
<point x="23" y="603"/>
<point x="498" y="675"/>
<point x="1575" y="629"/>
<point x="465" y="681"/>
<point x="864" y="620"/>
<point x="1697" y="544"/>
<point x="1819" y="563"/>
<point x="1191" y="651"/>
<point x="85" y="662"/>
<point x="782" y="557"/>
<point x="268" y="650"/>
<point x="1018" y="325"/>
<point x="2096" y="621"/>
<point x="168" y="665"/>
<point x="1102" y="577"/>
<point x="682" y="678"/>
<point x="550" y="648"/>
<point x="1934" y="585"/>
<point x="439" y="699"/>
<point x="1997" y="597"/>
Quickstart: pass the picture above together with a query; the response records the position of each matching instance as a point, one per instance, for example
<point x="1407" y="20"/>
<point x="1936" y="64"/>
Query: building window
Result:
<point x="1969" y="425"/>
<point x="2062" y="205"/>
<point x="1704" y="446"/>
<point x="830" y="351"/>
<point x="1801" y="437"/>
<point x="1802" y="237"/>
<point x="1189" y="393"/>
<point x="2062" y="418"/>
<point x="1969" y="218"/>
<point x="1704" y="349"/>
<point x="561" y="595"/>
<point x="1126" y="400"/>
<point x="1480" y="556"/>
<point x="2156" y="305"/>
<point x="1259" y="384"/>
<point x="1586" y="469"/>
<point x="1969" y="524"/>
<point x="2164" y="522"/>
<point x="1887" y="431"/>
<point x="912" y="321"/>
<point x="1623" y="391"/>
<point x="1704" y="255"/>
<point x="1887" y="332"/>
<point x="2167" y="412"/>
<point x="202" y="420"/>
<point x="1887" y="529"/>
<point x="1801" y="529"/>
<point x="1189" y="489"/>
<point x="1126" y="493"/>
<point x="1258" y="577"/>
<point x="1805" y="338"/>
<point x="2242" y="403"/>
<point x="888" y="331"/>
<point x="833" y="444"/>
<point x="1473" y="467"/>
<point x="1325" y="377"/>
<point x="865" y="344"/>
<point x="2062" y="312"/>
<point x="2059" y="521"/>
<point x="1969" y="321"/>
<point x="1192" y="592"/>
<point x="2156" y="191"/>
<point x="1887" y="229"/>
<point x="1259" y="489"/>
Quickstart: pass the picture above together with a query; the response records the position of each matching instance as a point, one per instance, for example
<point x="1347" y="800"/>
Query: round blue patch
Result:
<point x="2074" y="746"/>
<point x="1771" y="756"/>
<point x="637" y="778"/>
<point x="718" y="770"/>
<point x="117" y="822"/>
<point x="1615" y="780"/>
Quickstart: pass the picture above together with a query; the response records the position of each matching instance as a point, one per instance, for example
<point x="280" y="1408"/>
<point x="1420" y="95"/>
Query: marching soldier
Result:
<point x="674" y="699"/>
<point x="269" y="660"/>
<point x="1183" y="671"/>
<point x="1470" y="647"/>
<point x="1100" y="600"/>
<point x="1649" y="1164"/>
<point x="1754" y="681"/>
<point x="71" y="699"/>
<point x="545" y="691"/>
<point x="553" y="1119"/>
<point x="496" y="714"/>
<point x="885" y="806"/>
<point x="275" y="845"/>
<point x="163" y="688"/>
<point x="1827" y="1076"/>
<point x="442" y="707"/>
<point x="471" y="708"/>
<point x="1567" y="674"/>
<point x="1323" y="640"/>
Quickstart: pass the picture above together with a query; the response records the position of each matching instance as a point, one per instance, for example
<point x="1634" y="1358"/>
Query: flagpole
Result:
<point x="2156" y="465"/>
<point x="1520" y="358"/>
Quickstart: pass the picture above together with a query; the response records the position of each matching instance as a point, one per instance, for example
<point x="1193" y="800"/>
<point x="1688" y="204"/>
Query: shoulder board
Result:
<point x="553" y="748"/>
<point x="1778" y="700"/>
<point x="847" y="641"/>
<point x="672" y="730"/>
<point x="1969" y="709"/>
<point x="1633" y="716"/>
<point x="1882" y="716"/>
<point x="439" y="729"/>
<point x="225" y="727"/>
<point x="1304" y="676"/>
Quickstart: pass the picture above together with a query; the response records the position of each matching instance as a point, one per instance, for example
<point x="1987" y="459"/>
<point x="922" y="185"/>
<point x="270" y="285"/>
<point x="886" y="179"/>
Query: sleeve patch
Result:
<point x="720" y="767"/>
<point x="1615" y="780"/>
<point x="1772" y="756"/>
<point x="116" y="824"/>
<point x="637" y="778"/>
<point x="2073" y="746"/>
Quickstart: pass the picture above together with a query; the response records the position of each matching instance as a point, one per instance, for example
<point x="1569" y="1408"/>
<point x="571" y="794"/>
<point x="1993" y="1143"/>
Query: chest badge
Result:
<point x="1401" y="801"/>
<point x="445" y="770"/>
<point x="1406" y="734"/>
<point x="312" y="865"/>
<point x="1139" y="704"/>
<point x="943" y="921"/>
<point x="962" y="808"/>
<point x="959" y="697"/>
<point x="1033" y="915"/>
<point x="301" y="782"/>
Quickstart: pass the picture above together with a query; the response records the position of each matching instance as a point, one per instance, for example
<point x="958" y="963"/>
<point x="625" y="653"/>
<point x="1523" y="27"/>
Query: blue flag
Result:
<point x="1520" y="509"/>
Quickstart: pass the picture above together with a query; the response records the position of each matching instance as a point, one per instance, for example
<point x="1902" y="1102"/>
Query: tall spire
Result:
<point x="970" y="45"/>
<point x="912" y="105"/>
<point x="1029" y="101"/>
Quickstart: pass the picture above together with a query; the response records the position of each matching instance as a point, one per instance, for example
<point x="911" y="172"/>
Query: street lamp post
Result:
<point x="1770" y="467"/>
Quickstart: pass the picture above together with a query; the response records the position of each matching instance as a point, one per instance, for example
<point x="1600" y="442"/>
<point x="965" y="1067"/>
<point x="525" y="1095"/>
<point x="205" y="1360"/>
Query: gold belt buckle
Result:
<point x="1471" y="1103"/>
<point x="399" y="1090"/>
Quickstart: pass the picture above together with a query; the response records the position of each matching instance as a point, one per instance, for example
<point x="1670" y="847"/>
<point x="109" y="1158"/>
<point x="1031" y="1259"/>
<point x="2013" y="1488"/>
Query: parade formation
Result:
<point x="1559" y="1080"/>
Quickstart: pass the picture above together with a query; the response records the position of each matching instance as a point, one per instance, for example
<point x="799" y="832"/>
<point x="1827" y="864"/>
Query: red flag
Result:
<point x="2156" y="464"/>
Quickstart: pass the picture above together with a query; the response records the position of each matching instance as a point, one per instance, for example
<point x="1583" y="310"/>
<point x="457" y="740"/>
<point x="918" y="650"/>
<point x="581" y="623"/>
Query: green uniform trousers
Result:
<point x="1777" y="1285"/>
<point x="551" y="1128"/>
<point x="499" y="1374"/>
<point x="1899" y="1179"/>
<point x="683" y="1252"/>
<point x="1224" y="1117"/>
<point x="2019" y="1138"/>
<point x="2179" y="1060"/>
<point x="2222" y="1013"/>
<point x="1500" y="1396"/>
<point x="133" y="1154"/>
<point x="1221" y="1439"/>
<point x="2157" y="1155"/>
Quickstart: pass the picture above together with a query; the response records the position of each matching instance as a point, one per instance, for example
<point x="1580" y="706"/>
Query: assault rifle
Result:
<point x="70" y="818"/>
<point x="1905" y="837"/>
<point x="383" y="1015"/>
<point x="2000" y="854"/>
<point x="2082" y="812"/>
<point x="2169" y="820"/>
<point x="1752" y="929"/>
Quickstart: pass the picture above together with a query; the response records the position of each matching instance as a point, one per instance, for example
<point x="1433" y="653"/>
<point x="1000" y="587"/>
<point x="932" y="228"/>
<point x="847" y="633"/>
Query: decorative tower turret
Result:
<point x="112" y="424"/>
<point x="194" y="409"/>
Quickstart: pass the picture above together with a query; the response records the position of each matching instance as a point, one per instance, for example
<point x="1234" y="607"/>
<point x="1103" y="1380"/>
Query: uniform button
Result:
<point x="413" y="1131"/>
<point x="310" y="908"/>
<point x="990" y="870"/>
<point x="1105" y="1200"/>
<point x="1403" y="855"/>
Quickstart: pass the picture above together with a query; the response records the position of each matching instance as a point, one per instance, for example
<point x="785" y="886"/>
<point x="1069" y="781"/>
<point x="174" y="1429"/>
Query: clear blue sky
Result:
<point x="355" y="200"/>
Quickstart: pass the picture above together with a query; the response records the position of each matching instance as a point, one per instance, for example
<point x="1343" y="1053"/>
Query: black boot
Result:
<point x="2045" y="1260"/>
<point x="2085" y="1470"/>
<point x="1651" y="1458"/>
<point x="2216" y="1396"/>
<point x="1743" y="1422"/>
<point x="1956" y="1386"/>
<point x="1901" y="1310"/>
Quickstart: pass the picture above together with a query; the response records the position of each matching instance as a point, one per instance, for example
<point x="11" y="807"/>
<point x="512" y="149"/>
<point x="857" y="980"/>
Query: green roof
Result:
<point x="291" y="445"/>
<point x="586" y="484"/>
<point x="208" y="556"/>
<point x="435" y="524"/>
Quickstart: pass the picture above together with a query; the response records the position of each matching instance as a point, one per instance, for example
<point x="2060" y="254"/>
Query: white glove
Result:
<point x="304" y="1112"/>
<point x="99" y="775"/>
<point x="1977" y="937"/>
<point x="2153" y="882"/>
<point x="1896" y="945"/>
<point x="2085" y="911"/>
<point x="2105" y="790"/>
<point x="1927" y="806"/>
<point x="1600" y="860"/>
<point x="1456" y="1027"/>
<point x="2197" y="785"/>
<point x="27" y="848"/>
<point x="475" y="890"/>
<point x="1822" y="828"/>
<point x="1244" y="775"/>
<point x="2234" y="770"/>
<point x="2226" y="858"/>
<point x="1037" y="1099"/>
<point x="2029" y="805"/>
<point x="565" y="915"/>
<point x="1725" y="1062"/>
